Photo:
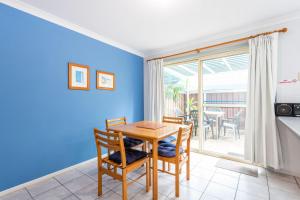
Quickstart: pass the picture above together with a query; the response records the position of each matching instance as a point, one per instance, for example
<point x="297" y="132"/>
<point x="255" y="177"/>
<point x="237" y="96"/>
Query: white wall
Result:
<point x="289" y="51"/>
<point x="289" y="63"/>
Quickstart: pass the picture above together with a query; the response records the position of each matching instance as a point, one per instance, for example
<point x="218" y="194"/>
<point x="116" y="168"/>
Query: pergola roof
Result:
<point x="175" y="73"/>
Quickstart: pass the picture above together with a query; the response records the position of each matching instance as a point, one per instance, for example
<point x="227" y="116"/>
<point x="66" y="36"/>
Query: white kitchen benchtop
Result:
<point x="293" y="123"/>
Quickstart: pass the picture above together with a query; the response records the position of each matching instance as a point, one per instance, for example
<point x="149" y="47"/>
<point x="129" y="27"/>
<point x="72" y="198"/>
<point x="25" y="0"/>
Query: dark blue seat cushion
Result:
<point x="168" y="150"/>
<point x="132" y="155"/>
<point x="169" y="139"/>
<point x="131" y="142"/>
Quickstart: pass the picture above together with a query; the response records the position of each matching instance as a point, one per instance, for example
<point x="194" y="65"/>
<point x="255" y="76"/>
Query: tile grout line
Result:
<point x="237" y="187"/>
<point x="83" y="173"/>
<point x="66" y="188"/>
<point x="297" y="181"/>
<point x="267" y="177"/>
<point x="86" y="174"/>
<point x="209" y="181"/>
<point x="33" y="197"/>
<point x="28" y="192"/>
<point x="73" y="194"/>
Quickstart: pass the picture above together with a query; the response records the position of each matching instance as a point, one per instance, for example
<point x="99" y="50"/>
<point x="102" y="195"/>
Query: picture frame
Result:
<point x="105" y="80"/>
<point x="79" y="76"/>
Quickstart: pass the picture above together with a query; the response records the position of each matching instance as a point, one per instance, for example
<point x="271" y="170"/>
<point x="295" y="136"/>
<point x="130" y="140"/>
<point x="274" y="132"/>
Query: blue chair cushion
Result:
<point x="169" y="139"/>
<point x="131" y="142"/>
<point x="132" y="155"/>
<point x="168" y="150"/>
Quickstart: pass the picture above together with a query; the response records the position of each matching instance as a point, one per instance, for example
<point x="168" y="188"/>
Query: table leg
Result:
<point x="154" y="158"/>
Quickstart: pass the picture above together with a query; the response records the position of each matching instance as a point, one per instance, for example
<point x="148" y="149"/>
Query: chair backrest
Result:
<point x="174" y="120"/>
<point x="184" y="135"/>
<point x="109" y="141"/>
<point x="237" y="118"/>
<point x="205" y="117"/>
<point x="194" y="115"/>
<point x="114" y="122"/>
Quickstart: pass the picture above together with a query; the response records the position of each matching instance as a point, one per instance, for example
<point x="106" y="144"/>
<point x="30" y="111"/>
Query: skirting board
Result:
<point x="283" y="171"/>
<point x="26" y="184"/>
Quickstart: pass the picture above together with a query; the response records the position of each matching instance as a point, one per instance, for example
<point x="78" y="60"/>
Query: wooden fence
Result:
<point x="230" y="103"/>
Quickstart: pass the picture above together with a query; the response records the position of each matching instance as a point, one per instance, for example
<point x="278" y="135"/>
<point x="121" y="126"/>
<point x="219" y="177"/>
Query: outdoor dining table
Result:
<point x="217" y="115"/>
<point x="152" y="132"/>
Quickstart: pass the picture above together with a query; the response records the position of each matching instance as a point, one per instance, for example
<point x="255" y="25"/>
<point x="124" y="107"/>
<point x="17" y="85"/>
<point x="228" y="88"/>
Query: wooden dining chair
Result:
<point x="177" y="155"/>
<point x="175" y="120"/>
<point x="172" y="139"/>
<point x="128" y="142"/>
<point x="127" y="160"/>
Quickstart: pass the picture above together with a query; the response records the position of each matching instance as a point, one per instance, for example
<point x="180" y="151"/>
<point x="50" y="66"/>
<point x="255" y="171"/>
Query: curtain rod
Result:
<point x="283" y="30"/>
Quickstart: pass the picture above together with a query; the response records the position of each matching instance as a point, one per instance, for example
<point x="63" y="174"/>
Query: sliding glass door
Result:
<point x="210" y="92"/>
<point x="182" y="94"/>
<point x="223" y="104"/>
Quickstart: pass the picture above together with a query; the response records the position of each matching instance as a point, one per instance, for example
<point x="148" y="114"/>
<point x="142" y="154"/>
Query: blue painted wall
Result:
<point x="44" y="126"/>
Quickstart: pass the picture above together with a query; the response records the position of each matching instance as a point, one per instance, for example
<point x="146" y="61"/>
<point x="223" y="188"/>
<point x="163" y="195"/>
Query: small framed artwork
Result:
<point x="79" y="77"/>
<point x="105" y="80"/>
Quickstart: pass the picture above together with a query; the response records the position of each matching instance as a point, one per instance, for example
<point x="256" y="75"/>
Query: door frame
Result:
<point x="201" y="59"/>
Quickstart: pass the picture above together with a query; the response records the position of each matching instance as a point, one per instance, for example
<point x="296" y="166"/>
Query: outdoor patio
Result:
<point x="225" y="145"/>
<point x="223" y="101"/>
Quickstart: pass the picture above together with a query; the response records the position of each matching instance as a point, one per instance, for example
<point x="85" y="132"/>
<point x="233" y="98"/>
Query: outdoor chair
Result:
<point x="194" y="117"/>
<point x="208" y="124"/>
<point x="232" y="123"/>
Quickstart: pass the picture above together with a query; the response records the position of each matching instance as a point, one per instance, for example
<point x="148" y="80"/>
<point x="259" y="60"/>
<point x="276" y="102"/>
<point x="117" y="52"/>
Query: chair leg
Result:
<point x="188" y="168"/>
<point x="177" y="179"/>
<point x="234" y="132"/>
<point x="150" y="172"/>
<point x="147" y="175"/>
<point x="99" y="182"/>
<point x="163" y="165"/>
<point x="115" y="170"/>
<point x="124" y="185"/>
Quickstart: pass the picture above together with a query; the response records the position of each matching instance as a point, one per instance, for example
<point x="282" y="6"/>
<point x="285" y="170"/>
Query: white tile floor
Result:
<point x="207" y="183"/>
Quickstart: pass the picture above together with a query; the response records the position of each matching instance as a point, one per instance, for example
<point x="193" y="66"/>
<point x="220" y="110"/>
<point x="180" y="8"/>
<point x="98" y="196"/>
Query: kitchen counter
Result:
<point x="293" y="123"/>
<point x="289" y="133"/>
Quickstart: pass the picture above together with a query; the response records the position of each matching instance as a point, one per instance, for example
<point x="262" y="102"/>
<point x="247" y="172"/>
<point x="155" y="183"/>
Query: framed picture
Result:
<point x="105" y="80"/>
<point x="79" y="77"/>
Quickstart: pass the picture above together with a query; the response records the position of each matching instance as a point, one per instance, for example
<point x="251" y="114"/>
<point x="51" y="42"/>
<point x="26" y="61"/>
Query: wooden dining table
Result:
<point x="152" y="132"/>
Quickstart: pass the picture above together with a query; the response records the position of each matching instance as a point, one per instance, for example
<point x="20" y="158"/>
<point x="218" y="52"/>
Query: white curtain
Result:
<point x="262" y="144"/>
<point x="153" y="90"/>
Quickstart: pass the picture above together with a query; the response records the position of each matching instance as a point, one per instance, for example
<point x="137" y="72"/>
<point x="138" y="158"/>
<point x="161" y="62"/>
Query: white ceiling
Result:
<point x="150" y="25"/>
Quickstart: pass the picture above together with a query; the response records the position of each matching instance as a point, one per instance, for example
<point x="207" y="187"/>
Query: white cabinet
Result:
<point x="289" y="133"/>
